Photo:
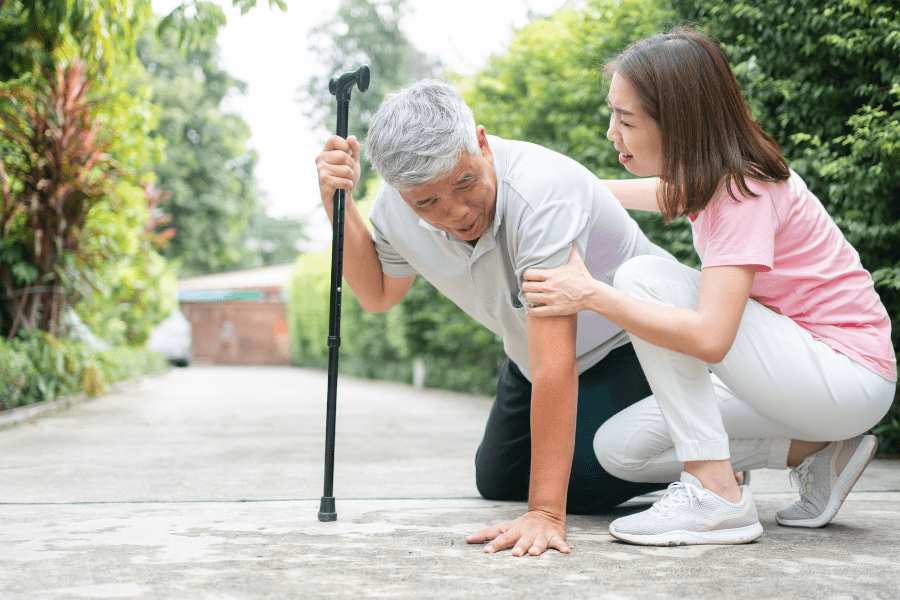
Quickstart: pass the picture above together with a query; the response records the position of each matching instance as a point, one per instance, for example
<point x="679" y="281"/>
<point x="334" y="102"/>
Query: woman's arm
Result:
<point x="706" y="333"/>
<point x="638" y="194"/>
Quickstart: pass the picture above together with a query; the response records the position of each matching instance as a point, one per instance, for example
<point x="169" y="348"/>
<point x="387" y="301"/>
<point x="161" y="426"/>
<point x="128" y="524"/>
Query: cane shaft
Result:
<point x="326" y="508"/>
<point x="340" y="87"/>
<point x="334" y="336"/>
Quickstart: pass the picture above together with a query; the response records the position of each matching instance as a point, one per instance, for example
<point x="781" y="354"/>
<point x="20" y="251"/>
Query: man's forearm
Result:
<point x="553" y="410"/>
<point x="554" y="399"/>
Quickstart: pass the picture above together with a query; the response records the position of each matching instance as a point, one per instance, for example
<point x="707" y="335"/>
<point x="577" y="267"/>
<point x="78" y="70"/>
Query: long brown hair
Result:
<point x="686" y="85"/>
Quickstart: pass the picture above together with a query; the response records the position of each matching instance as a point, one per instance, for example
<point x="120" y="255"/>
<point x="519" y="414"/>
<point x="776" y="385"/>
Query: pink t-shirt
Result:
<point x="805" y="269"/>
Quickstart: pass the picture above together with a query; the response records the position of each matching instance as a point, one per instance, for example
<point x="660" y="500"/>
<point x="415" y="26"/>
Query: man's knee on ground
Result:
<point x="499" y="488"/>
<point x="499" y="484"/>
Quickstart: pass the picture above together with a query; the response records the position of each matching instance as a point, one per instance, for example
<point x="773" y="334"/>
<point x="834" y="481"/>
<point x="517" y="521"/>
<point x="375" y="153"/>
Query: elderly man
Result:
<point x="470" y="213"/>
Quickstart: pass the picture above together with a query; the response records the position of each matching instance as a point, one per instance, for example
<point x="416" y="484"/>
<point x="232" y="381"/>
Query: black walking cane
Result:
<point x="340" y="87"/>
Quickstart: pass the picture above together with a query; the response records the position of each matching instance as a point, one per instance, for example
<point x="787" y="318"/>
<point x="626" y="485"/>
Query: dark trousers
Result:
<point x="503" y="460"/>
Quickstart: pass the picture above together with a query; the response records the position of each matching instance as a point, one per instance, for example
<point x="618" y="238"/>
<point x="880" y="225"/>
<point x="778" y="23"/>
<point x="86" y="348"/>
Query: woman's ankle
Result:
<point x="717" y="476"/>
<point x="799" y="450"/>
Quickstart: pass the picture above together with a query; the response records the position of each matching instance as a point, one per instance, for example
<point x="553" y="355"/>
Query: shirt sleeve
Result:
<point x="545" y="236"/>
<point x="741" y="233"/>
<point x="392" y="263"/>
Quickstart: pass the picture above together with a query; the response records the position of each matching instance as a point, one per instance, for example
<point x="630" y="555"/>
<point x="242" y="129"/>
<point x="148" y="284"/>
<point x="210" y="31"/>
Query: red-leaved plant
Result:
<point x="54" y="167"/>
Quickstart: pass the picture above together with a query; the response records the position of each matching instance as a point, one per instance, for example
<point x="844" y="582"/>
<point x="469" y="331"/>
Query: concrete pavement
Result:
<point x="205" y="483"/>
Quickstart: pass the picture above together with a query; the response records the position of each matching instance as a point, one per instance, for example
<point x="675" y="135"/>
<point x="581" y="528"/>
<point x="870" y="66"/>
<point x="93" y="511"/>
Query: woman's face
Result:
<point x="635" y="135"/>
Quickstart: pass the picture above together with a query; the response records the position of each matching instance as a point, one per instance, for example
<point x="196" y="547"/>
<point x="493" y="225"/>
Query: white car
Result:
<point x="172" y="339"/>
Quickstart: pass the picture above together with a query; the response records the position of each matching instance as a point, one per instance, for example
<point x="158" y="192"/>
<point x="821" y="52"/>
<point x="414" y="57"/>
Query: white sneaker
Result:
<point x="825" y="478"/>
<point x="690" y="514"/>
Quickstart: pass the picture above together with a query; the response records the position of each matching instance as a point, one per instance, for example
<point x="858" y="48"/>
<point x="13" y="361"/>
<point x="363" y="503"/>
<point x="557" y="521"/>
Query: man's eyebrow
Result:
<point x="621" y="111"/>
<point x="465" y="178"/>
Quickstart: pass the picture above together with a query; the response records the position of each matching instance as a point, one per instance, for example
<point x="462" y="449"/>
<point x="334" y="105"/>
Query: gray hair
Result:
<point x="417" y="134"/>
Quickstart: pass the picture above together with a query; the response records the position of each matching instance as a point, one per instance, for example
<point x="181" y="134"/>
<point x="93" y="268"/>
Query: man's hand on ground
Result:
<point x="530" y="534"/>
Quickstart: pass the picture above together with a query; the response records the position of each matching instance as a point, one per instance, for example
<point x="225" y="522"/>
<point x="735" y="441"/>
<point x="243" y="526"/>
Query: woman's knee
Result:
<point x="627" y="449"/>
<point x="639" y="274"/>
<point x="608" y="446"/>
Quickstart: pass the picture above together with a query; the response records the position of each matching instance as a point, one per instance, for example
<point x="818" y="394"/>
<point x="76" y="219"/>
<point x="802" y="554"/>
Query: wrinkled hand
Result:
<point x="531" y="533"/>
<point x="560" y="291"/>
<point x="338" y="166"/>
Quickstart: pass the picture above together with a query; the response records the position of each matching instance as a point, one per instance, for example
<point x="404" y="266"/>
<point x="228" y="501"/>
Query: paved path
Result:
<point x="204" y="483"/>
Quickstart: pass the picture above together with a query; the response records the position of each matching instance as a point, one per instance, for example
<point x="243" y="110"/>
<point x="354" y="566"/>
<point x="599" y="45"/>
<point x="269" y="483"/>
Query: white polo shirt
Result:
<point x="545" y="202"/>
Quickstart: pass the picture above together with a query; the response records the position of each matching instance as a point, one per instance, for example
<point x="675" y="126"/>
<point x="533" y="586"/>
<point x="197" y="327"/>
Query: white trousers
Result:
<point x="777" y="383"/>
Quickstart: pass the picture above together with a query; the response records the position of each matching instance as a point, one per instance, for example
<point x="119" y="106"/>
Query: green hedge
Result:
<point x="41" y="368"/>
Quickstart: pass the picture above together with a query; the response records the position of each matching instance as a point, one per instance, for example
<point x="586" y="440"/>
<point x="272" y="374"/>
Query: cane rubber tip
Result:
<point x="326" y="509"/>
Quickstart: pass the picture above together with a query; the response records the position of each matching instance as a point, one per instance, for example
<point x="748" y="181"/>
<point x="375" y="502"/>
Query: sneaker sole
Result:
<point x="852" y="472"/>
<point x="737" y="535"/>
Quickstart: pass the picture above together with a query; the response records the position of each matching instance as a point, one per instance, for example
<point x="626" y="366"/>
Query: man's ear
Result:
<point x="483" y="144"/>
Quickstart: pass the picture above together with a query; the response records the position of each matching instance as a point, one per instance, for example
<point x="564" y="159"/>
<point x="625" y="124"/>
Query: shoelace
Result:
<point x="680" y="493"/>
<point x="800" y="476"/>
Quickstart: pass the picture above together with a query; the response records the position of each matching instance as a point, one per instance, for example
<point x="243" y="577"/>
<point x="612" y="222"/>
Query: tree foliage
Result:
<point x="806" y="66"/>
<point x="80" y="218"/>
<point x="42" y="32"/>
<point x="206" y="167"/>
<point x="217" y="219"/>
<point x="272" y="240"/>
<point x="196" y="21"/>
<point x="547" y="87"/>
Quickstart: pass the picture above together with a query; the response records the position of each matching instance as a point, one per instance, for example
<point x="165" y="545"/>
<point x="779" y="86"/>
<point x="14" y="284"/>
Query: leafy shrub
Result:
<point x="123" y="363"/>
<point x="58" y="367"/>
<point x="372" y="345"/>
<point x="41" y="368"/>
<point x="16" y="373"/>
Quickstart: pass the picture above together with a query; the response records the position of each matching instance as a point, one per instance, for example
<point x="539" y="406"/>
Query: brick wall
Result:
<point x="235" y="332"/>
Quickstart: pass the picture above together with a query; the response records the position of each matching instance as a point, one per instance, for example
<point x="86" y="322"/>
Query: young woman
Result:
<point x="776" y="354"/>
